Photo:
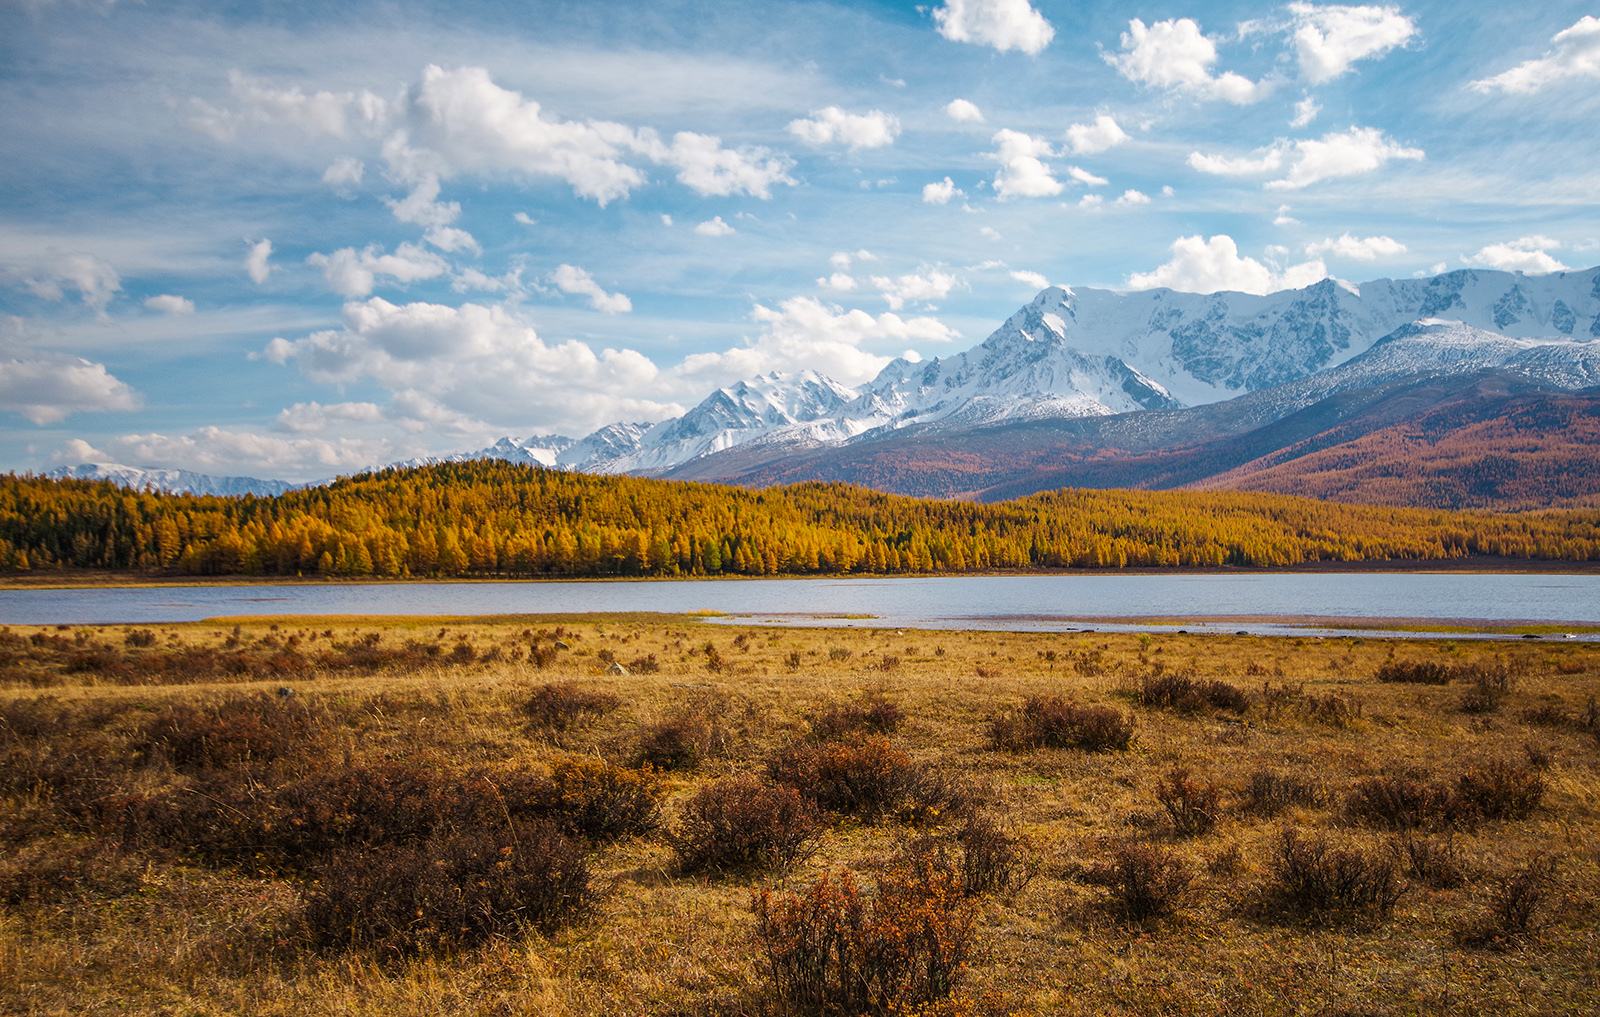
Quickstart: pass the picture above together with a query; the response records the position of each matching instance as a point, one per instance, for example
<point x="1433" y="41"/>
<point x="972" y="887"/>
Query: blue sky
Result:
<point x="293" y="239"/>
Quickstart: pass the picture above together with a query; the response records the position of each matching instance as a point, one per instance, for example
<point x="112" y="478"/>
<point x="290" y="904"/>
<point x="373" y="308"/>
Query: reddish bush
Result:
<point x="1193" y="804"/>
<point x="1267" y="792"/>
<point x="450" y="892"/>
<point x="1414" y="673"/>
<point x="1144" y="882"/>
<point x="742" y="822"/>
<point x="600" y="800"/>
<point x="1313" y="876"/>
<point x="992" y="861"/>
<point x="1053" y="722"/>
<point x="565" y="705"/>
<point x="835" y="949"/>
<point x="878" y="716"/>
<point x="1192" y="695"/>
<point x="863" y="777"/>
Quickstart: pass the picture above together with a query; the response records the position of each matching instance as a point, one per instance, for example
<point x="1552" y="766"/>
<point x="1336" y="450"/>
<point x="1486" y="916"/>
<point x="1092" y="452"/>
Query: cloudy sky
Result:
<point x="294" y="238"/>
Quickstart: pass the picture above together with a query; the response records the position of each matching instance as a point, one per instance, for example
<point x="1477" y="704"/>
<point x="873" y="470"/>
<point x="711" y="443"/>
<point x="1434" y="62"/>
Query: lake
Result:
<point x="1262" y="603"/>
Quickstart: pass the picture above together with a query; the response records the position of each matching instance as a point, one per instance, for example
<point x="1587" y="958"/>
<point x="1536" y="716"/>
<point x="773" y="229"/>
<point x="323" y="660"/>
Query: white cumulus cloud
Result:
<point x="1023" y="172"/>
<point x="1331" y="37"/>
<point x="1305" y="111"/>
<point x="1173" y="54"/>
<point x="922" y="286"/>
<point x="1356" y="248"/>
<point x="714" y="227"/>
<point x="353" y="273"/>
<point x="46" y="387"/>
<point x="803" y="332"/>
<point x="257" y="263"/>
<point x="344" y="173"/>
<point x="217" y="450"/>
<point x="571" y="279"/>
<point x="1003" y="24"/>
<point x="1086" y="178"/>
<point x="1207" y="266"/>
<point x="168" y="303"/>
<point x="873" y="129"/>
<point x="1033" y="279"/>
<point x="1133" y="197"/>
<point x="940" y="192"/>
<point x="1089" y="139"/>
<point x="1311" y="160"/>
<point x="1574" y="53"/>
<point x="315" y="418"/>
<point x="1527" y="254"/>
<point x="480" y="361"/>
<point x="961" y="109"/>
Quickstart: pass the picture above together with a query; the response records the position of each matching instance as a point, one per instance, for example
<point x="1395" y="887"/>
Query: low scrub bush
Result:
<point x="600" y="800"/>
<point x="865" y="776"/>
<point x="835" y="949"/>
<point x="60" y="872"/>
<point x="1267" y="792"/>
<point x="1414" y="673"/>
<point x="1312" y="876"/>
<point x="1332" y="709"/>
<point x="742" y="822"/>
<point x="842" y="720"/>
<point x="676" y="742"/>
<point x="1193" y="804"/>
<point x="1192" y="695"/>
<point x="1490" y="686"/>
<point x="1436" y="864"/>
<point x="1500" y="790"/>
<point x="452" y="892"/>
<point x="1053" y="722"/>
<point x="992" y="861"/>
<point x="1144" y="882"/>
<point x="1409" y="800"/>
<point x="237" y="731"/>
<point x="566" y="705"/>
<point x="1518" y="905"/>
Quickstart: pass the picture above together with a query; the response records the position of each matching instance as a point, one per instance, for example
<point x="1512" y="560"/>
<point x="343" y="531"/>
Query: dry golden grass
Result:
<point x="184" y="938"/>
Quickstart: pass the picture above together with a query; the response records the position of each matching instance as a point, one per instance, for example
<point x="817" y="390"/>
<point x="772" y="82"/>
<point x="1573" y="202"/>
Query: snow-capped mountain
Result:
<point x="1096" y="352"/>
<point x="173" y="481"/>
<point x="1091" y="353"/>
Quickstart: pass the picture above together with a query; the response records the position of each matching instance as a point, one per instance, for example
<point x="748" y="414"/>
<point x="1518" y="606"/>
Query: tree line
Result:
<point x="491" y="518"/>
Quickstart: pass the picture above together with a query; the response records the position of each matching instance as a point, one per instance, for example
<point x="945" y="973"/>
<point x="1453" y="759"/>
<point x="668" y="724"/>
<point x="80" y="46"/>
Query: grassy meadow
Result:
<point x="456" y="816"/>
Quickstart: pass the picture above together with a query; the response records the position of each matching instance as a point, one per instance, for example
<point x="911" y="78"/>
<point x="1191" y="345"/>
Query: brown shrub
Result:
<point x="1192" y="804"/>
<point x="1314" y="877"/>
<point x="876" y="716"/>
<point x="1053" y="722"/>
<point x="1518" y="906"/>
<point x="1268" y="792"/>
<point x="237" y="731"/>
<point x="1490" y="686"/>
<point x="742" y="822"/>
<point x="1144" y="882"/>
<point x="992" y="861"/>
<point x="1414" y="673"/>
<point x="676" y="742"/>
<point x="1437" y="864"/>
<point x="55" y="872"/>
<point x="452" y="892"/>
<point x="1402" y="801"/>
<point x="1499" y="790"/>
<point x="835" y="949"/>
<point x="861" y="776"/>
<point x="566" y="705"/>
<point x="600" y="800"/>
<point x="1192" y="695"/>
<point x="139" y="638"/>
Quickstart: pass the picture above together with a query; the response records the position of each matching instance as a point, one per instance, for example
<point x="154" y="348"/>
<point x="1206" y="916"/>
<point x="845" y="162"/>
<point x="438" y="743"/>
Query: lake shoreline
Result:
<point x="1485" y="564"/>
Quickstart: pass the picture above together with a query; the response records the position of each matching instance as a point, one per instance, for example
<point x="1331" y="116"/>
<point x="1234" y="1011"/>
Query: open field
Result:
<point x="206" y="819"/>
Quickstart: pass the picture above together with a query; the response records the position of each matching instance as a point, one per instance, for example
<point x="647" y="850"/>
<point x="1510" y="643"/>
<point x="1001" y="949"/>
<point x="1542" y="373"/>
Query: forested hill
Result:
<point x="489" y="518"/>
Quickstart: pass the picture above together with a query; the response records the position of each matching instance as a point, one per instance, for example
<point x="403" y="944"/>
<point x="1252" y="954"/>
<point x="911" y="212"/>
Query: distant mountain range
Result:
<point x="1163" y="389"/>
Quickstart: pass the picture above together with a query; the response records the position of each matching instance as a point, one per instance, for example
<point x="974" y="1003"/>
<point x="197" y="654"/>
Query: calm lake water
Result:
<point x="1264" y="603"/>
